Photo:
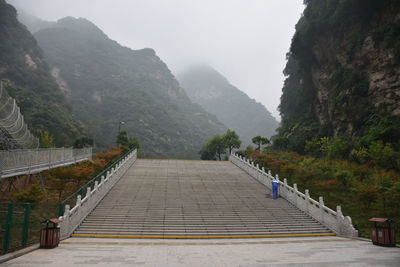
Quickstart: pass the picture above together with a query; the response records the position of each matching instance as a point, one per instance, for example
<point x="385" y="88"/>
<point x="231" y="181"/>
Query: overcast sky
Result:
<point x="245" y="40"/>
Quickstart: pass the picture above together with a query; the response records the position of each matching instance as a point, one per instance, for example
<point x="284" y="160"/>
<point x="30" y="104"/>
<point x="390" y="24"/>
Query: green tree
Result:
<point x="231" y="140"/>
<point x="46" y="139"/>
<point x="281" y="142"/>
<point x="334" y="148"/>
<point x="124" y="140"/>
<point x="83" y="142"/>
<point x="214" y="149"/>
<point x="260" y="141"/>
<point x="382" y="154"/>
<point x="207" y="153"/>
<point x="133" y="143"/>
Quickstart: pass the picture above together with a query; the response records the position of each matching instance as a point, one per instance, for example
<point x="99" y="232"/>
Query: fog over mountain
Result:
<point x="107" y="83"/>
<point x="245" y="40"/>
<point x="208" y="88"/>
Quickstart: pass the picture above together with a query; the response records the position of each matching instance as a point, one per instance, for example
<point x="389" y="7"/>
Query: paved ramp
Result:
<point x="178" y="198"/>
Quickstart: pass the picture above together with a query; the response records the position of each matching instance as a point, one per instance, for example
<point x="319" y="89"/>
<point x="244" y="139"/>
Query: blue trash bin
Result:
<point x="275" y="188"/>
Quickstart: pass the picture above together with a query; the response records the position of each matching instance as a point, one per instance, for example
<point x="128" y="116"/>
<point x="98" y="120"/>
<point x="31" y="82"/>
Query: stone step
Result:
<point x="199" y="224"/>
<point x="186" y="218"/>
<point x="179" y="208"/>
<point x="259" y="214"/>
<point x="293" y="213"/>
<point x="179" y="216"/>
<point x="201" y="233"/>
<point x="242" y="229"/>
<point x="167" y="198"/>
<point x="275" y="220"/>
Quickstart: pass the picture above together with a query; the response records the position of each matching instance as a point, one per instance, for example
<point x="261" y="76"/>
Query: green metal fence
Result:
<point x="20" y="223"/>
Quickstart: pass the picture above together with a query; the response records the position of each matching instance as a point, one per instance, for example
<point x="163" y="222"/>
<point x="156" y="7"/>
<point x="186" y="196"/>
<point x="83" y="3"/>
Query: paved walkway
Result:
<point x="312" y="251"/>
<point x="182" y="198"/>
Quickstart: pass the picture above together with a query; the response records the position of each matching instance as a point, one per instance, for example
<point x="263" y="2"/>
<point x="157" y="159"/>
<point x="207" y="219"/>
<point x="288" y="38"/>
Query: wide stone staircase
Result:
<point x="176" y="198"/>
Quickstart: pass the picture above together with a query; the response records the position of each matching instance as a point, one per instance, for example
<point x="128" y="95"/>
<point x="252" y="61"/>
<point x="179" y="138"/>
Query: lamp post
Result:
<point x="119" y="131"/>
<point x="119" y="126"/>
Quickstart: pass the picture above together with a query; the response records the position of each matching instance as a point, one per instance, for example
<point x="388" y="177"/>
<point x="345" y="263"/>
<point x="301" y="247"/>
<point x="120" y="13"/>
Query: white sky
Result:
<point x="245" y="40"/>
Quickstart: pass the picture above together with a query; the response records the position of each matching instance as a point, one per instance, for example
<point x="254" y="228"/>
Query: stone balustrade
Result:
<point x="73" y="217"/>
<point x="334" y="220"/>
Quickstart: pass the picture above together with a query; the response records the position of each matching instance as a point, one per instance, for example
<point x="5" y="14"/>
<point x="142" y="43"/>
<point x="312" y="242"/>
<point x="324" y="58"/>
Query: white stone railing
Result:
<point x="73" y="217"/>
<point x="334" y="220"/>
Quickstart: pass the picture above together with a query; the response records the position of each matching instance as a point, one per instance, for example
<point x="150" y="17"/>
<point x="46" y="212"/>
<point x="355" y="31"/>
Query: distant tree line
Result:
<point x="221" y="146"/>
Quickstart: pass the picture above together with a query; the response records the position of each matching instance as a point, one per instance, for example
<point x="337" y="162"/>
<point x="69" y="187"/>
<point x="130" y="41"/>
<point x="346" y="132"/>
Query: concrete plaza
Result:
<point x="305" y="251"/>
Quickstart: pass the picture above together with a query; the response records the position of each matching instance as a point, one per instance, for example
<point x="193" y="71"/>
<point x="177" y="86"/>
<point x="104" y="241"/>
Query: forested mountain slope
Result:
<point x="343" y="76"/>
<point x="27" y="78"/>
<point x="232" y="107"/>
<point x="107" y="83"/>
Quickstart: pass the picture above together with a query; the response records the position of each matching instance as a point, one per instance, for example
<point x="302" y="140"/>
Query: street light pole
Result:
<point x="119" y="130"/>
<point x="119" y="126"/>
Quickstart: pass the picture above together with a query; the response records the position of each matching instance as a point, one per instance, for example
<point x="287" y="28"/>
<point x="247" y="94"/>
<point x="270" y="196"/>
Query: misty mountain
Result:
<point x="107" y="83"/>
<point x="28" y="79"/>
<point x="33" y="23"/>
<point x="205" y="86"/>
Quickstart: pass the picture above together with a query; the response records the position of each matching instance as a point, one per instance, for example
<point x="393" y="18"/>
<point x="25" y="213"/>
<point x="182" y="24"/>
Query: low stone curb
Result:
<point x="18" y="253"/>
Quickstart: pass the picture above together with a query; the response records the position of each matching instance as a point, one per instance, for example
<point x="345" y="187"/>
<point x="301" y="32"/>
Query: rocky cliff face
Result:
<point x="343" y="75"/>
<point x="107" y="83"/>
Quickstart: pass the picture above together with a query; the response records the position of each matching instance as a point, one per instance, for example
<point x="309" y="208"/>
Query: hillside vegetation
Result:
<point x="27" y="78"/>
<point x="107" y="83"/>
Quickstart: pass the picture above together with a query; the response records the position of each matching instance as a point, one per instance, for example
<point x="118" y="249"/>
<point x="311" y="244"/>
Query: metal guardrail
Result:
<point x="13" y="129"/>
<point x="28" y="161"/>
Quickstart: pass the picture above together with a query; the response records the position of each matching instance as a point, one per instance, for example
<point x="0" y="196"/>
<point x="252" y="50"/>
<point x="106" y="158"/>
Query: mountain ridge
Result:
<point x="207" y="87"/>
<point x="108" y="83"/>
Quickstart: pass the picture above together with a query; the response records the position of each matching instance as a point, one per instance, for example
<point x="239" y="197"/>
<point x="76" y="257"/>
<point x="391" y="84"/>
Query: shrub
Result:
<point x="382" y="155"/>
<point x="367" y="195"/>
<point x="334" y="148"/>
<point x="327" y="184"/>
<point x="110" y="155"/>
<point x="313" y="148"/>
<point x="31" y="194"/>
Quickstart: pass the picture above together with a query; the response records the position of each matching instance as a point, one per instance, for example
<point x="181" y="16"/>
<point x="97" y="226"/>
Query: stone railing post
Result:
<point x="65" y="223"/>
<point x="96" y="190"/>
<point x="307" y="194"/>
<point x="296" y="195"/>
<point x="321" y="208"/>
